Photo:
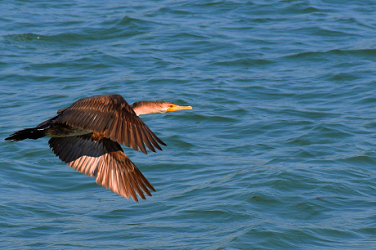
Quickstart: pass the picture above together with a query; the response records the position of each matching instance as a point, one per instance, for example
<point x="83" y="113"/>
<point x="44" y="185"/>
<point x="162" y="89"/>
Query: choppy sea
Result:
<point x="279" y="151"/>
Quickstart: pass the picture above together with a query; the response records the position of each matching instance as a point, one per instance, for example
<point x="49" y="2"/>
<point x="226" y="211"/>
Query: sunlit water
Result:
<point x="278" y="152"/>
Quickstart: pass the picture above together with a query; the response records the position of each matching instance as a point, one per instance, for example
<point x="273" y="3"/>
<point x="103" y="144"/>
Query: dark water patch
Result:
<point x="207" y="215"/>
<point x="332" y="131"/>
<point x="343" y="77"/>
<point x="130" y="22"/>
<point x="325" y="55"/>
<point x="181" y="12"/>
<point x="279" y="238"/>
<point x="366" y="100"/>
<point x="22" y="37"/>
<point x="310" y="115"/>
<point x="360" y="160"/>
<point x="176" y="141"/>
<point x="84" y="35"/>
<point x="244" y="62"/>
<point x="213" y="118"/>
<point x="117" y="214"/>
<point x="185" y="35"/>
<point x="370" y="125"/>
<point x="239" y="149"/>
<point x="324" y="32"/>
<point x="156" y="80"/>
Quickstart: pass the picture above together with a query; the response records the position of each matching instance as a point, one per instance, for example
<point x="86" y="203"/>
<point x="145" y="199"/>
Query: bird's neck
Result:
<point x="145" y="108"/>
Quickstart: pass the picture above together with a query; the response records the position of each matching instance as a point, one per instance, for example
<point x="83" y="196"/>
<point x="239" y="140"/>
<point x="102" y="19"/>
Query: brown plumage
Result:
<point x="86" y="136"/>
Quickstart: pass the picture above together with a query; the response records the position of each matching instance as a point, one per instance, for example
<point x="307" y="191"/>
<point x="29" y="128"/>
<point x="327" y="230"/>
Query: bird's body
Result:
<point x="87" y="136"/>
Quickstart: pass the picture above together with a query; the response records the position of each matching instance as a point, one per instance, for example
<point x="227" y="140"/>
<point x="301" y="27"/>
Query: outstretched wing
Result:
<point x="113" y="117"/>
<point x="105" y="160"/>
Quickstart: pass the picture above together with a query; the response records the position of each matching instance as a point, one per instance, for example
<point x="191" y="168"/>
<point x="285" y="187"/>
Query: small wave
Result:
<point x="244" y="62"/>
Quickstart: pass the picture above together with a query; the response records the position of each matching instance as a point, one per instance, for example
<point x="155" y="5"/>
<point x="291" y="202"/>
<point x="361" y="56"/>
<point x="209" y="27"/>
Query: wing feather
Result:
<point x="112" y="116"/>
<point x="105" y="160"/>
<point x="146" y="140"/>
<point x="139" y="141"/>
<point x="124" y="136"/>
<point x="152" y="140"/>
<point x="131" y="134"/>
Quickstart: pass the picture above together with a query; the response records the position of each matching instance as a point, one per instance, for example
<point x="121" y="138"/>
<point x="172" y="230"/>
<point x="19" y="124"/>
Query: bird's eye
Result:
<point x="170" y="106"/>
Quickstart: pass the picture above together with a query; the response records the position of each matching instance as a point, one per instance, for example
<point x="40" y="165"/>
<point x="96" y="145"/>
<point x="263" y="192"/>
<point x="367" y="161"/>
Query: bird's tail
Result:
<point x="27" y="133"/>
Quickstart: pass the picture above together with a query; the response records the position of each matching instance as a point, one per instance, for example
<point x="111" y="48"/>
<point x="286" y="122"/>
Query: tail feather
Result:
<point x="28" y="133"/>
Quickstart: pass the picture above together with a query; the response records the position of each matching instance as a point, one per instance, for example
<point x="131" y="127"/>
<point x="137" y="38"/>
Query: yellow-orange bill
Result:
<point x="177" y="107"/>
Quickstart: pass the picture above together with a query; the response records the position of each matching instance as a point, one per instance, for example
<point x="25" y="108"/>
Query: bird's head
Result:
<point x="154" y="107"/>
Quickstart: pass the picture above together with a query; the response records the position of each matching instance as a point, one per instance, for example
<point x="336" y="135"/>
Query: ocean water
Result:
<point x="279" y="151"/>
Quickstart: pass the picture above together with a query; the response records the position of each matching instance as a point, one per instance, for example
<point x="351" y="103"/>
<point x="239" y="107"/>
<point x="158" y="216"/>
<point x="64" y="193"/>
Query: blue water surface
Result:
<point x="279" y="151"/>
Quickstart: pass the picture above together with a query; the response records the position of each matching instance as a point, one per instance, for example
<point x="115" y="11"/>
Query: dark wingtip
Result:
<point x="27" y="133"/>
<point x="10" y="138"/>
<point x="134" y="197"/>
